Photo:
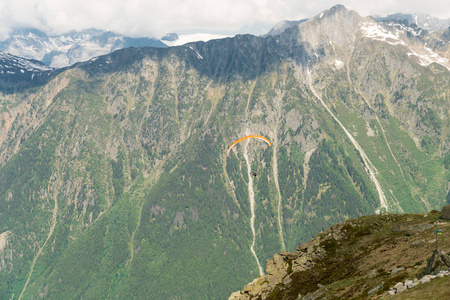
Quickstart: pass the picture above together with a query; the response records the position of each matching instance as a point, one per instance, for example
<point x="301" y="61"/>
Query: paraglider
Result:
<point x="248" y="137"/>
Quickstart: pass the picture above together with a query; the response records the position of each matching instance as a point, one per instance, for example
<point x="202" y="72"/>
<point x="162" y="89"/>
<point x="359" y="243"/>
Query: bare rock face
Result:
<point x="280" y="268"/>
<point x="445" y="214"/>
<point x="315" y="31"/>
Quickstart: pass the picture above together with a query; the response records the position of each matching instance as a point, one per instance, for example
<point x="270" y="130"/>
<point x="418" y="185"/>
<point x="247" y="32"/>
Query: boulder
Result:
<point x="401" y="289"/>
<point x="399" y="284"/>
<point x="445" y="214"/>
<point x="375" y="289"/>
<point x="256" y="290"/>
<point x="278" y="261"/>
<point x="270" y="267"/>
<point x="290" y="255"/>
<point x="396" y="270"/>
<point x="235" y="296"/>
<point x="302" y="247"/>
<point x="410" y="284"/>
<point x="424" y="279"/>
<point x="420" y="227"/>
<point x="300" y="264"/>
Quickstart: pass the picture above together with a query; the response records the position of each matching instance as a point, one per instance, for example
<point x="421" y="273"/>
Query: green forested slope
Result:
<point x="114" y="181"/>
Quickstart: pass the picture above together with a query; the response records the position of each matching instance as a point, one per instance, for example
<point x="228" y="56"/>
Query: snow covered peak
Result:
<point x="66" y="49"/>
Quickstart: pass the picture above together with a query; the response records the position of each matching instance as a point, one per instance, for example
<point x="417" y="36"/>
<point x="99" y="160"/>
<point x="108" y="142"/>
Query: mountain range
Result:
<point x="421" y="20"/>
<point x="63" y="50"/>
<point x="58" y="51"/>
<point x="66" y="49"/>
<point x="114" y="178"/>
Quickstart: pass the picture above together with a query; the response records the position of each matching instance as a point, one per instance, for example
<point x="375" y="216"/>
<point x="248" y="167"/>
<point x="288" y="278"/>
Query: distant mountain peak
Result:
<point x="282" y="26"/>
<point x="339" y="11"/>
<point x="422" y="20"/>
<point x="338" y="7"/>
<point x="66" y="49"/>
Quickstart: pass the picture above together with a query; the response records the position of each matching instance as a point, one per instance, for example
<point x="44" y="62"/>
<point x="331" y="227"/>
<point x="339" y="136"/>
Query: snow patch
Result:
<point x="198" y="54"/>
<point x="425" y="59"/>
<point x="378" y="33"/>
<point x="338" y="64"/>
<point x="404" y="28"/>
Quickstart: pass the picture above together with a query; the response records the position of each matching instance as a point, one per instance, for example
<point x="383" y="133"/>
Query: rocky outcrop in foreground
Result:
<point x="369" y="257"/>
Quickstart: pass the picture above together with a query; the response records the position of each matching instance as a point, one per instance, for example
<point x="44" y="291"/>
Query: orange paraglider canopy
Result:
<point x="248" y="137"/>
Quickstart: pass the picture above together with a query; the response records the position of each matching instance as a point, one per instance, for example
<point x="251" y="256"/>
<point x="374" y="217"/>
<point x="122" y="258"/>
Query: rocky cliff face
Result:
<point x="113" y="173"/>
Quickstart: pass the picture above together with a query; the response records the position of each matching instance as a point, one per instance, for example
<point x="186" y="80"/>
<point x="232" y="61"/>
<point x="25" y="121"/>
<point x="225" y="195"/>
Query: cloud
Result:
<point x="156" y="17"/>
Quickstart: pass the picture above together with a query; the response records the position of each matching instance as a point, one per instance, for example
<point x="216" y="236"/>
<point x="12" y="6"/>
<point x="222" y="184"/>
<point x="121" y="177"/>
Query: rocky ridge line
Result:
<point x="370" y="256"/>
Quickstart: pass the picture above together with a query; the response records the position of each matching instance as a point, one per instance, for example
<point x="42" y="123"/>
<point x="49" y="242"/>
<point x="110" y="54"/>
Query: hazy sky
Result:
<point x="155" y="17"/>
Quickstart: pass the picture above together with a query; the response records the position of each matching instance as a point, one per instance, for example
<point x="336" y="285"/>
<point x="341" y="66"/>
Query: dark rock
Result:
<point x="290" y="255"/>
<point x="437" y="262"/>
<point x="375" y="289"/>
<point x="302" y="247"/>
<point x="445" y="214"/>
<point x="399" y="227"/>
